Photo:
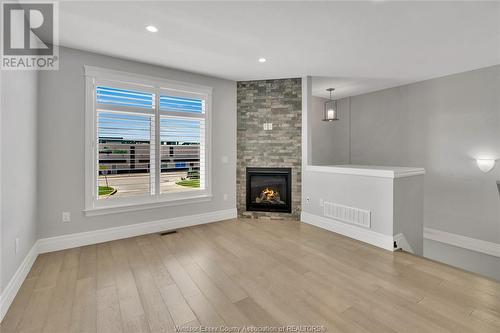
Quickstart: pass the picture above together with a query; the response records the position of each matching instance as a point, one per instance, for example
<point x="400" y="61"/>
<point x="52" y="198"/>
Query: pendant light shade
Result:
<point x="331" y="112"/>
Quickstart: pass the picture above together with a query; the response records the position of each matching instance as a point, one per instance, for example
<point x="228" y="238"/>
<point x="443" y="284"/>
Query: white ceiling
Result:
<point x="355" y="46"/>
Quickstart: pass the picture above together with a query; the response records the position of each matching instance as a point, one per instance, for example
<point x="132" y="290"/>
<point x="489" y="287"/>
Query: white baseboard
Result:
<point x="10" y="291"/>
<point x="362" y="234"/>
<point x="99" y="236"/>
<point x="402" y="243"/>
<point x="473" y="244"/>
<point x="105" y="235"/>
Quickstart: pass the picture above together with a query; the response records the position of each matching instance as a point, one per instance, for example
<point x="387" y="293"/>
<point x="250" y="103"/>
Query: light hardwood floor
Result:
<point x="246" y="272"/>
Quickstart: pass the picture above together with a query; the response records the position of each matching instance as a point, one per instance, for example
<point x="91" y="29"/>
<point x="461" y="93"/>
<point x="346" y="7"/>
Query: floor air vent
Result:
<point x="168" y="232"/>
<point x="347" y="214"/>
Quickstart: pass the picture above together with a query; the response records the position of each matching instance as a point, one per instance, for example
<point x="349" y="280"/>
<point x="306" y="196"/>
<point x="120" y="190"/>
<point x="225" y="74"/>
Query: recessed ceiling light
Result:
<point x="151" y="28"/>
<point x="262" y="60"/>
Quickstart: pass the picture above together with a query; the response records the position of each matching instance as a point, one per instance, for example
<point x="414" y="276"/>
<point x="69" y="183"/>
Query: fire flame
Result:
<point x="270" y="194"/>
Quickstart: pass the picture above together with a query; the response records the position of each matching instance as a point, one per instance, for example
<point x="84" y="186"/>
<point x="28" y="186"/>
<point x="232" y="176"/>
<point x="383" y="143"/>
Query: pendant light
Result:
<point x="331" y="112"/>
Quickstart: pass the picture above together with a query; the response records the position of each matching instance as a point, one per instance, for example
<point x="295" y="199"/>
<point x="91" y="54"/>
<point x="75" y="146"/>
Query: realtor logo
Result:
<point x="29" y="36"/>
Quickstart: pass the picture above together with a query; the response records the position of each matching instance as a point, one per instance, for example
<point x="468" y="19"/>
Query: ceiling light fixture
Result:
<point x="151" y="28"/>
<point x="331" y="112"/>
<point x="262" y="60"/>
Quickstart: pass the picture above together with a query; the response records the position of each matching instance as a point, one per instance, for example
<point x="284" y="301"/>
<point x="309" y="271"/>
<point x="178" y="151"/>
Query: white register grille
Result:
<point x="352" y="215"/>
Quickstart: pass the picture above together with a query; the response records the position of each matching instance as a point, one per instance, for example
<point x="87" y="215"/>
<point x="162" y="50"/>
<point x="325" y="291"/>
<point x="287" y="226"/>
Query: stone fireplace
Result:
<point x="269" y="115"/>
<point x="269" y="190"/>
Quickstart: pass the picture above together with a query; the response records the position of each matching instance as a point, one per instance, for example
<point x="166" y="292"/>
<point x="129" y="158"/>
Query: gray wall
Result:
<point x="442" y="125"/>
<point x="330" y="140"/>
<point x="18" y="170"/>
<point x="61" y="145"/>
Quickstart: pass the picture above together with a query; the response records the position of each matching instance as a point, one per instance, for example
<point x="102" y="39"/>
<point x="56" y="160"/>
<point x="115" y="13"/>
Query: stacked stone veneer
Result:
<point x="269" y="101"/>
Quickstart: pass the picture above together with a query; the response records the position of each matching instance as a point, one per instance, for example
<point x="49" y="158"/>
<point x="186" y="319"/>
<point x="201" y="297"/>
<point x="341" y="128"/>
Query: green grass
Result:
<point x="105" y="190"/>
<point x="189" y="183"/>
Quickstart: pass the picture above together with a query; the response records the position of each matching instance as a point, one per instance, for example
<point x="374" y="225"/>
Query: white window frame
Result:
<point x="98" y="76"/>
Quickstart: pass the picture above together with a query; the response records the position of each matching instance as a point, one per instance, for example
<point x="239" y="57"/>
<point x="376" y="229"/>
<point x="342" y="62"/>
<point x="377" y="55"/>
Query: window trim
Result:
<point x="151" y="84"/>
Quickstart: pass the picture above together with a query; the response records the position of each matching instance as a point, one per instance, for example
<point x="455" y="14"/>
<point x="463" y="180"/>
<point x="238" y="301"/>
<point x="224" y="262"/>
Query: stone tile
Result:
<point x="269" y="101"/>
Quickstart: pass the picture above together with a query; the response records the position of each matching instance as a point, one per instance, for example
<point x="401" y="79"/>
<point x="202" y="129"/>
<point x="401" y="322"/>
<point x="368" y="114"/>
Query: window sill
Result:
<point x="122" y="208"/>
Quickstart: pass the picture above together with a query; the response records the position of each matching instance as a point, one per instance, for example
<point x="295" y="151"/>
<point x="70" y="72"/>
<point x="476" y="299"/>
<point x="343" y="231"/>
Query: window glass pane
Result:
<point x="122" y="97"/>
<point x="182" y="104"/>
<point x="124" y="154"/>
<point x="182" y="154"/>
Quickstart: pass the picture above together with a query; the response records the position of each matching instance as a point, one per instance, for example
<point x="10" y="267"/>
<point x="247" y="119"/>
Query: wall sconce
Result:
<point x="485" y="165"/>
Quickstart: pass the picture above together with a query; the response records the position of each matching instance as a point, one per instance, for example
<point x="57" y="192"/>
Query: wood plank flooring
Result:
<point x="248" y="272"/>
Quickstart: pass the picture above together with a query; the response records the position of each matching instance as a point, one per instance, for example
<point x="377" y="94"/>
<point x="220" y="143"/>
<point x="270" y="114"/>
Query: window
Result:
<point x="147" y="140"/>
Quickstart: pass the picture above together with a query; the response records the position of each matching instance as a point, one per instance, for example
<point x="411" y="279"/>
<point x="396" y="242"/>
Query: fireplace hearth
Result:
<point x="269" y="189"/>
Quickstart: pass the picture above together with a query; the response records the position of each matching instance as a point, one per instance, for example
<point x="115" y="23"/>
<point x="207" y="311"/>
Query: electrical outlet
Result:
<point x="16" y="245"/>
<point x="321" y="203"/>
<point x="66" y="216"/>
<point x="308" y="200"/>
<point x="225" y="196"/>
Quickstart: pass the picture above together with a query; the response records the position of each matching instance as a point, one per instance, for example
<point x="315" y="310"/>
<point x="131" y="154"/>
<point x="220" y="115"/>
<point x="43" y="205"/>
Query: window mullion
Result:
<point x="95" y="145"/>
<point x="157" y="142"/>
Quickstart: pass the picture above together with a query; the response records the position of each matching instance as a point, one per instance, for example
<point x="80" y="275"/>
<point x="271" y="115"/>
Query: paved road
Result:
<point x="138" y="184"/>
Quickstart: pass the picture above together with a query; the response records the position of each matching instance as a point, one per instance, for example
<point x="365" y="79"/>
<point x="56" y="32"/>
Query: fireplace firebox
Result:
<point x="269" y="189"/>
